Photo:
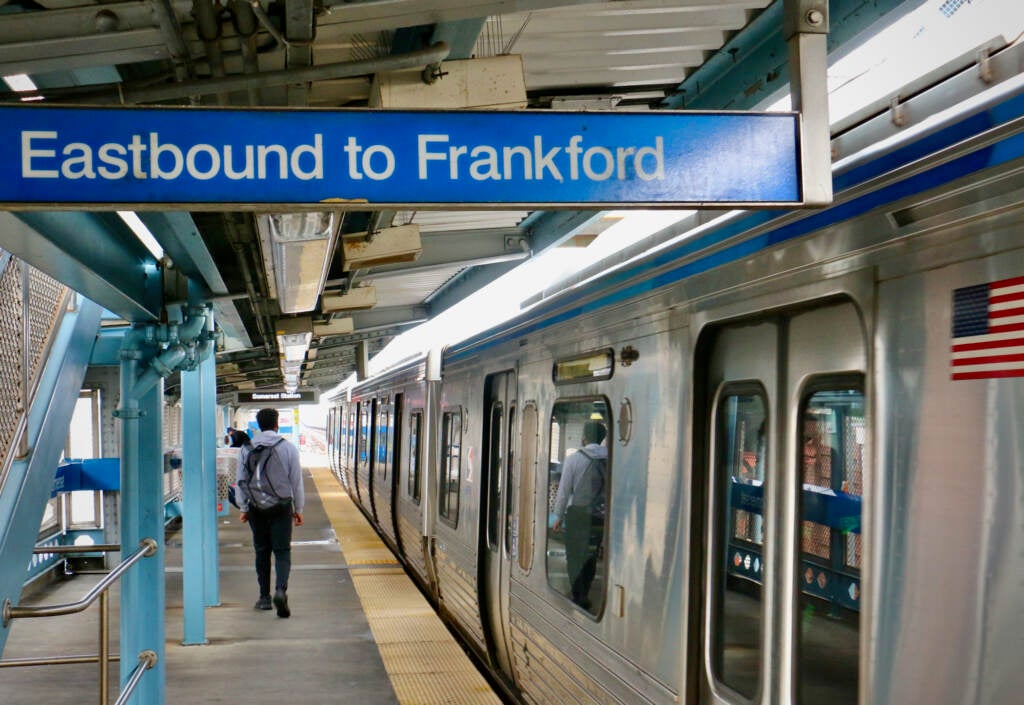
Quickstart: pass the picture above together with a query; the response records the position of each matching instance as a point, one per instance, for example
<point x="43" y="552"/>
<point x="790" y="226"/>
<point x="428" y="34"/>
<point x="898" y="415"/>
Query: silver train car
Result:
<point x="812" y="488"/>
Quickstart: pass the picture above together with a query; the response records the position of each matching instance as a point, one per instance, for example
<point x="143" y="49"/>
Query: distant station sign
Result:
<point x="256" y="159"/>
<point x="310" y="396"/>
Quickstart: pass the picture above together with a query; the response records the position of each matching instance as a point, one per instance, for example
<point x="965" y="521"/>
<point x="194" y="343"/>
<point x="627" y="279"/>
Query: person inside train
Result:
<point x="579" y="509"/>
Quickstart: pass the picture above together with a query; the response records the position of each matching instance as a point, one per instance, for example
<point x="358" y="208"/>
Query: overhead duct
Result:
<point x="300" y="247"/>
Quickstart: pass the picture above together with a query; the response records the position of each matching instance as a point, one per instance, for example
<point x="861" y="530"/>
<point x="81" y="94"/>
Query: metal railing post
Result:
<point x="104" y="652"/>
<point x="147" y="659"/>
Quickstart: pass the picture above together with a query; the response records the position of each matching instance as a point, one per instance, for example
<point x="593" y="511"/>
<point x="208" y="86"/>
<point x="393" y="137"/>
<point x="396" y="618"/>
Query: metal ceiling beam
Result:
<point x="376" y="15"/>
<point x="389" y="317"/>
<point x="177" y="234"/>
<point x="324" y="72"/>
<point x="461" y="248"/>
<point x="753" y="65"/>
<point x="93" y="253"/>
<point x="546" y="228"/>
<point x="460" y="36"/>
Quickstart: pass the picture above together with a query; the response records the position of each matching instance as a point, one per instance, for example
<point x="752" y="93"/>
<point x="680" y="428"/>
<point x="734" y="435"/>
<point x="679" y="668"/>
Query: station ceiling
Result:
<point x="635" y="55"/>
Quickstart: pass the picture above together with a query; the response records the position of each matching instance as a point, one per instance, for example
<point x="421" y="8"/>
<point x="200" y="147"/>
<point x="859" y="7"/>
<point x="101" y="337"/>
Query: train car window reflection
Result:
<point x="738" y="573"/>
<point x="522" y="542"/>
<point x="451" y="466"/>
<point x="415" y="426"/>
<point x="497" y="460"/>
<point x="364" y="433"/>
<point x="579" y="478"/>
<point x="383" y="444"/>
<point x="831" y="465"/>
<point x="509" y="479"/>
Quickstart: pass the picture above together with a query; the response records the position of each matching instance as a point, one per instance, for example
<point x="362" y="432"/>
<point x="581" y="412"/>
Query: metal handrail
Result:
<point x="54" y="660"/>
<point x="147" y="659"/>
<point x="147" y="547"/>
<point x="91" y="548"/>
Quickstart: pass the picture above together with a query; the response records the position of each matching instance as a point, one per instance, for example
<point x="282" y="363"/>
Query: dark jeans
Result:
<point x="272" y="532"/>
<point x="581" y="551"/>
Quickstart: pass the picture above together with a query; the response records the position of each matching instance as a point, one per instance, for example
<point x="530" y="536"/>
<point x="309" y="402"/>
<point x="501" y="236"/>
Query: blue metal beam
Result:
<point x="30" y="479"/>
<point x="95" y="254"/>
<point x="754" y="64"/>
<point x="177" y="234"/>
<point x="199" y="527"/>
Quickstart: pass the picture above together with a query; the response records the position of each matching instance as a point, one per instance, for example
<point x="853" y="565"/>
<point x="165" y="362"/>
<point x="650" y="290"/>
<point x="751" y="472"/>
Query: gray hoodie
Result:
<point x="288" y="454"/>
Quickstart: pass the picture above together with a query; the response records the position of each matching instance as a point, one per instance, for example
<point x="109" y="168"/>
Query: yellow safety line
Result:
<point x="423" y="660"/>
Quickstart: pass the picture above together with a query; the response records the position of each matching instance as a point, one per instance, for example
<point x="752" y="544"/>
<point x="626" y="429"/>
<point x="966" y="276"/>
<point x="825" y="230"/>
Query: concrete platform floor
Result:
<point x="324" y="654"/>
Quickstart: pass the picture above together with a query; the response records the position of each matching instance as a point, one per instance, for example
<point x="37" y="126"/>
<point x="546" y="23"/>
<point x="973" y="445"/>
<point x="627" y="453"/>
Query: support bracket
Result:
<point x="805" y="27"/>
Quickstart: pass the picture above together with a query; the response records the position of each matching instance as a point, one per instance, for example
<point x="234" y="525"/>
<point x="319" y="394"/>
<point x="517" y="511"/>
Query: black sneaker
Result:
<point x="263" y="603"/>
<point x="281" y="603"/>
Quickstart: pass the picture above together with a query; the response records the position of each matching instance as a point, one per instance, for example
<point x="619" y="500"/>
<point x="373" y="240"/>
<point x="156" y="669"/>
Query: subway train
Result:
<point x="802" y="439"/>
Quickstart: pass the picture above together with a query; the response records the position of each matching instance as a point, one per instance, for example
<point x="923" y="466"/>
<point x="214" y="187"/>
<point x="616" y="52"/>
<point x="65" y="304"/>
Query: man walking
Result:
<point x="271" y="496"/>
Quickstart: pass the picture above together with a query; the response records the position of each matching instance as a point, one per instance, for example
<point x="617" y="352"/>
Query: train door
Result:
<point x="496" y="500"/>
<point x="784" y="426"/>
<point x="395" y="450"/>
<point x="364" y="459"/>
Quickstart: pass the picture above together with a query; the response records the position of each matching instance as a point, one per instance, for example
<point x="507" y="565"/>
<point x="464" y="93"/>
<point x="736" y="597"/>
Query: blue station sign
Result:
<point x="254" y="159"/>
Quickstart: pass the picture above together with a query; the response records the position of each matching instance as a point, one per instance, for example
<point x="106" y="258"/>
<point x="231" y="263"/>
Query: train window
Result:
<point x="451" y="466"/>
<point x="415" y="426"/>
<point x="579" y="478"/>
<point x="522" y="544"/>
<point x="738" y="567"/>
<point x="363" y="445"/>
<point x="385" y="434"/>
<point x="494" y="454"/>
<point x="585" y="368"/>
<point x="831" y="465"/>
<point x="509" y="478"/>
<point x="342" y="446"/>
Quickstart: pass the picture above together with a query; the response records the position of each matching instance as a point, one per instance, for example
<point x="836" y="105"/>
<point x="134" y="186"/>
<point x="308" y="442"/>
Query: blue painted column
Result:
<point x="143" y="597"/>
<point x="194" y="525"/>
<point x="211" y="556"/>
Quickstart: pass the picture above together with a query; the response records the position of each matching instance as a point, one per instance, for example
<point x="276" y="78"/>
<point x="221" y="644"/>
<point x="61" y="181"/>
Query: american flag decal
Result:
<point x="988" y="330"/>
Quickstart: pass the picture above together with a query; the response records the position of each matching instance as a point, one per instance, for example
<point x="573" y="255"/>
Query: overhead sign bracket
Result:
<point x="805" y="27"/>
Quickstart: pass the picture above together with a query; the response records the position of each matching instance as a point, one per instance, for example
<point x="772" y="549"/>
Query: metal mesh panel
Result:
<point x="46" y="302"/>
<point x="853" y="479"/>
<point x="11" y="333"/>
<point x="172" y="427"/>
<point x="44" y="306"/>
<point x="818" y="456"/>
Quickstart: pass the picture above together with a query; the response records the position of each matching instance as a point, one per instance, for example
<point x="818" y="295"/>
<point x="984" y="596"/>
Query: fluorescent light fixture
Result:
<point x="142" y="232"/>
<point x="300" y="246"/>
<point x="20" y="82"/>
<point x="294" y="345"/>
